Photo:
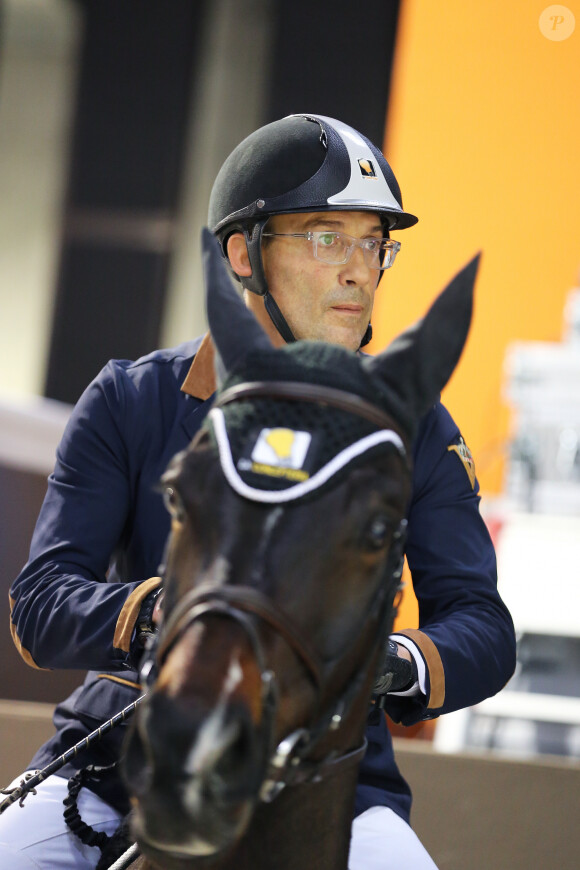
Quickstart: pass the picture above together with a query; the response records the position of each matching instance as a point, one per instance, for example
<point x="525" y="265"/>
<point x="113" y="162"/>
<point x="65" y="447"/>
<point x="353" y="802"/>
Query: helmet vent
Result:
<point x="323" y="139"/>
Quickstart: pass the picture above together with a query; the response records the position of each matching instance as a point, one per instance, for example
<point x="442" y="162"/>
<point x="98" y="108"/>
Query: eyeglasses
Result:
<point x="335" y="248"/>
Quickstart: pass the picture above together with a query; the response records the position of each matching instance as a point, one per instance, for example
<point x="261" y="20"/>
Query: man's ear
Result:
<point x="237" y="252"/>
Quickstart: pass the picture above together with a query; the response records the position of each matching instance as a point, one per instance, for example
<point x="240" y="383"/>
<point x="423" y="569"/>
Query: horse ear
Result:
<point x="234" y="329"/>
<point x="417" y="365"/>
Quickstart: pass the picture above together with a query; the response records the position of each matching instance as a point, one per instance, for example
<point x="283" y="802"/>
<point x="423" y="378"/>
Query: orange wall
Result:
<point x="484" y="136"/>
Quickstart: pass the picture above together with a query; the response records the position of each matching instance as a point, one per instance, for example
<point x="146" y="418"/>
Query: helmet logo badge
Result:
<point x="367" y="170"/>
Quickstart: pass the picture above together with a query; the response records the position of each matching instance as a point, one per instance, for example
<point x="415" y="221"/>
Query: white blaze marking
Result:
<point x="213" y="733"/>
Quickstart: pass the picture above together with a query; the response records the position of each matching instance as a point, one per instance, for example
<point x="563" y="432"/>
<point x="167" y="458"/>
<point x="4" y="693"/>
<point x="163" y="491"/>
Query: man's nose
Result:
<point x="355" y="270"/>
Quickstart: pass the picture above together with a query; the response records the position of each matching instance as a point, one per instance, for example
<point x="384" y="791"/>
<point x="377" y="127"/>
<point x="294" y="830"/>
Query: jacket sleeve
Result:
<point x="63" y="612"/>
<point x="466" y="639"/>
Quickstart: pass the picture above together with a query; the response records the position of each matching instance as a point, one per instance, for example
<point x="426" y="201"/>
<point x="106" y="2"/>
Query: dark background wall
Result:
<point x="333" y="59"/>
<point x="138" y="69"/>
<point x="135" y="78"/>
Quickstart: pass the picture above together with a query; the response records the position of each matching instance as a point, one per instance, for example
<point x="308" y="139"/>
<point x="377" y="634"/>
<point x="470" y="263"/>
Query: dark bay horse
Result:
<point x="288" y="515"/>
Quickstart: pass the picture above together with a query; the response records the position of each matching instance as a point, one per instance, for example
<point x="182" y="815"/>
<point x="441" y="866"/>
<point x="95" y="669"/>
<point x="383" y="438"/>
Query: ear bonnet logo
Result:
<point x="278" y="464"/>
<point x="280" y="453"/>
<point x="367" y="170"/>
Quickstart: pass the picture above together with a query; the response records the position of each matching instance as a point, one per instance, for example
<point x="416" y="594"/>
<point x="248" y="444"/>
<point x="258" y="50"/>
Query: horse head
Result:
<point x="288" y="515"/>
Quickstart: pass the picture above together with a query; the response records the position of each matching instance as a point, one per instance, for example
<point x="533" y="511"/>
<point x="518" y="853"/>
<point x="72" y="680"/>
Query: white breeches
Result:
<point x="35" y="836"/>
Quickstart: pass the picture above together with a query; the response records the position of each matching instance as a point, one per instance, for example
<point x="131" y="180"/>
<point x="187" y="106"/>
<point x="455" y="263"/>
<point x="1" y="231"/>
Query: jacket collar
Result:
<point x="200" y="381"/>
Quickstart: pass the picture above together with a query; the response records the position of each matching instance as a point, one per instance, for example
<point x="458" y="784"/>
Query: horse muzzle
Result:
<point x="195" y="774"/>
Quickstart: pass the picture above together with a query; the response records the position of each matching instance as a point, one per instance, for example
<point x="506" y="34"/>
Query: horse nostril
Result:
<point x="237" y="748"/>
<point x="222" y="761"/>
<point x="238" y="769"/>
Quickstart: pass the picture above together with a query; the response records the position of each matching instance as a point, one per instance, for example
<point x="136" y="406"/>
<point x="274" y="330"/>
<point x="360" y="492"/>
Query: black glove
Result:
<point x="397" y="674"/>
<point x="145" y="628"/>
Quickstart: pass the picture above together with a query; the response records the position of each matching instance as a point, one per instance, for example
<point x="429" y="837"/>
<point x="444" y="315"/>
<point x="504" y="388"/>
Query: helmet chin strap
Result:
<point x="367" y="336"/>
<point x="278" y="318"/>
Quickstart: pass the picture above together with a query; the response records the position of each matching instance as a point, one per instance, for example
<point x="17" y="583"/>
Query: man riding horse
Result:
<point x="303" y="209"/>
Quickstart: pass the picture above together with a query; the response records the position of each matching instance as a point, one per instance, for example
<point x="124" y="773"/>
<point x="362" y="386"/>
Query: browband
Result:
<point x="303" y="392"/>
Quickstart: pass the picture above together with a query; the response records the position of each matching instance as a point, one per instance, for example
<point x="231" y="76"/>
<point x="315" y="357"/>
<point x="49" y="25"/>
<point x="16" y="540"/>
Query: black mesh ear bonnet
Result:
<point x="295" y="447"/>
<point x="300" y="163"/>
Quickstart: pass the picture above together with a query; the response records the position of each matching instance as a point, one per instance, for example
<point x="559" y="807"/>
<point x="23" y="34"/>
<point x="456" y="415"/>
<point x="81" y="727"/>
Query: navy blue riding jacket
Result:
<point x="101" y="534"/>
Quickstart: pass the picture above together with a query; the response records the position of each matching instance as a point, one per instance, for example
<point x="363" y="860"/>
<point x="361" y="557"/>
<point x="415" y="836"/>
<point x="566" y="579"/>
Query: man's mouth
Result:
<point x="348" y="308"/>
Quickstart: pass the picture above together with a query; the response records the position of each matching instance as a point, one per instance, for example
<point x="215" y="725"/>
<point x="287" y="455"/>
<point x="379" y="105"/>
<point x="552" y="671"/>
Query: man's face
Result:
<point x="322" y="301"/>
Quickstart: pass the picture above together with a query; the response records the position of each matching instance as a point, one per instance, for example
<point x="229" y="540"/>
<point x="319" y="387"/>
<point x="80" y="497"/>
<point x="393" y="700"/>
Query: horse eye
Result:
<point x="377" y="532"/>
<point x="173" y="503"/>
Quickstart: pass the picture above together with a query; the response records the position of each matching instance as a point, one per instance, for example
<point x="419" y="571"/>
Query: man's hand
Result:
<point x="147" y="623"/>
<point x="398" y="672"/>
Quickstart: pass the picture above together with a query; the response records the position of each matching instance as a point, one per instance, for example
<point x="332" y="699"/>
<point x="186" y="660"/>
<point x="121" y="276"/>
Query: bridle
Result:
<point x="290" y="762"/>
<point x="307" y="392"/>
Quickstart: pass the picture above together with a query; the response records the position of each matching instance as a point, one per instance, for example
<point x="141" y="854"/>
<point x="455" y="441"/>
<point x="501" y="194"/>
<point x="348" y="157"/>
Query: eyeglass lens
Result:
<point x="336" y="247"/>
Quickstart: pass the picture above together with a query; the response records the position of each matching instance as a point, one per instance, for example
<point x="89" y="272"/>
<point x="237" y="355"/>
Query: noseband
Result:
<point x="289" y="763"/>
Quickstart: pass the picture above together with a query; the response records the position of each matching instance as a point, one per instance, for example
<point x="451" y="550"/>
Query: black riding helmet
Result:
<point x="300" y="163"/>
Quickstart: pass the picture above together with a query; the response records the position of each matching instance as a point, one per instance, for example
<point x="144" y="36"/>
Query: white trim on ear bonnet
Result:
<point x="304" y="487"/>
